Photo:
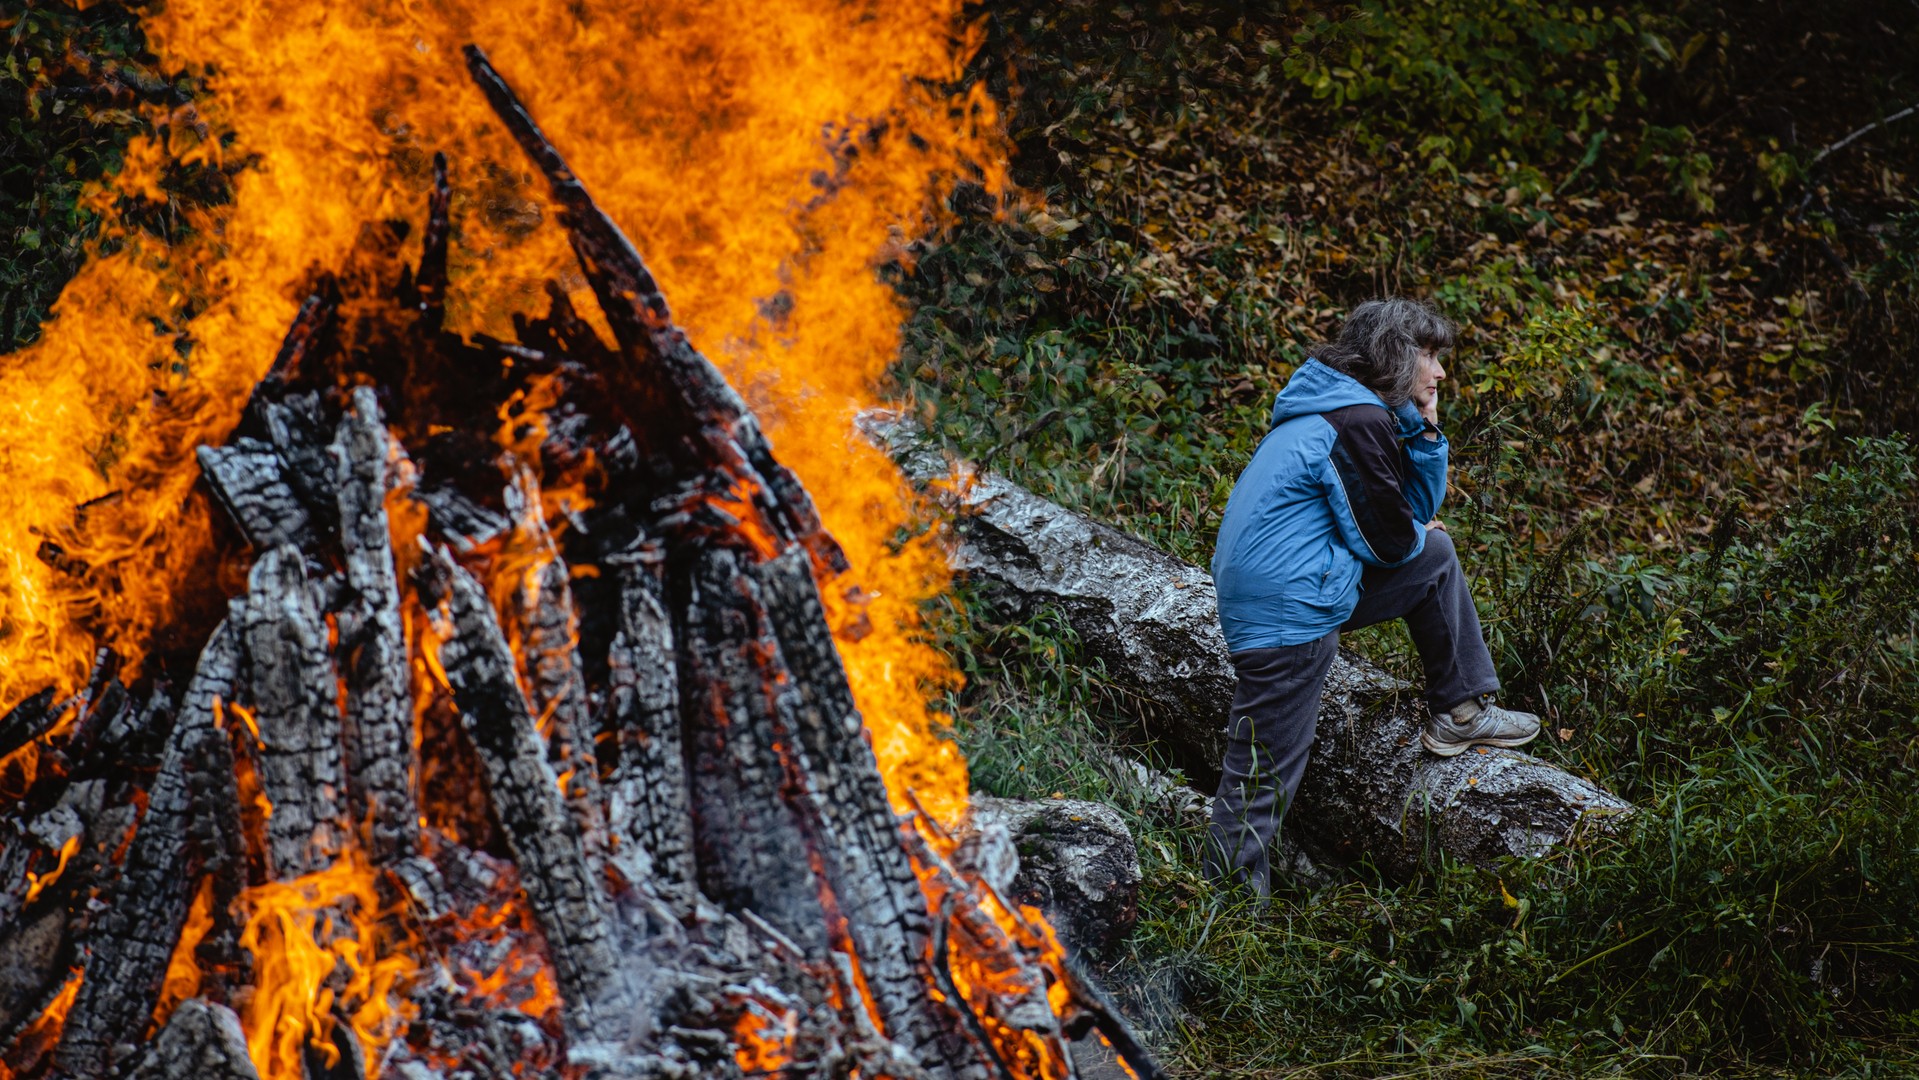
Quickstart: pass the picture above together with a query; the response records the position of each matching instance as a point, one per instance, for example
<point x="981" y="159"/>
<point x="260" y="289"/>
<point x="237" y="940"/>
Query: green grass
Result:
<point x="1754" y="920"/>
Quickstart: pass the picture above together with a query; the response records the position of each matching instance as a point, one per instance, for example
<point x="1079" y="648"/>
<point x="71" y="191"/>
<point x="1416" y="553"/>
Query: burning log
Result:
<point x="653" y="839"/>
<point x="1152" y="621"/>
<point x="373" y="653"/>
<point x="201" y="1040"/>
<point x="548" y="630"/>
<point x="295" y="714"/>
<point x="130" y="944"/>
<point x="247" y="479"/>
<point x="567" y="901"/>
<point x="648" y="807"/>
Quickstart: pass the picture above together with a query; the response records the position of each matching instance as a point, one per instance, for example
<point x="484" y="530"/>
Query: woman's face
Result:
<point x="1426" y="389"/>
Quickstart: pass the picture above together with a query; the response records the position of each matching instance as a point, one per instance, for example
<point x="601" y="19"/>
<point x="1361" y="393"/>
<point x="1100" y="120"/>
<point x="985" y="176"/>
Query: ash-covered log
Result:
<point x="548" y="631"/>
<point x="649" y="812"/>
<point x="1152" y="621"/>
<point x="372" y="639"/>
<point x="565" y="895"/>
<point x="132" y="939"/>
<point x="297" y="714"/>
<point x="201" y="1041"/>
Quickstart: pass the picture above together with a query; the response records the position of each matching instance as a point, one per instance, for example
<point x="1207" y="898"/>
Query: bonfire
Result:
<point x="523" y="746"/>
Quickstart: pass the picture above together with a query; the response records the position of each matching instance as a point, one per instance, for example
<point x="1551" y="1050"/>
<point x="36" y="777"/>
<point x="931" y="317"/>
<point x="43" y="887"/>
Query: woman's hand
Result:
<point x="1426" y="393"/>
<point x="1429" y="408"/>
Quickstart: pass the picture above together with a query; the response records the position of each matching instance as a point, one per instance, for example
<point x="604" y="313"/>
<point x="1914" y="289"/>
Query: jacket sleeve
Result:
<point x="1424" y="478"/>
<point x="1382" y="492"/>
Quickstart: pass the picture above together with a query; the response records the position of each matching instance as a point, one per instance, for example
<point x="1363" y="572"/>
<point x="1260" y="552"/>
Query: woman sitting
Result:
<point x="1332" y="527"/>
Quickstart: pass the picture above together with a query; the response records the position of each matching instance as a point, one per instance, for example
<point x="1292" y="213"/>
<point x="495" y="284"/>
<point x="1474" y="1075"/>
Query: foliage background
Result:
<point x="1688" y="271"/>
<point x="1680" y="483"/>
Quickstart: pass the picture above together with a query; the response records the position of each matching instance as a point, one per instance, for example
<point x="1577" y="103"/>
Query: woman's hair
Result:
<point x="1380" y="342"/>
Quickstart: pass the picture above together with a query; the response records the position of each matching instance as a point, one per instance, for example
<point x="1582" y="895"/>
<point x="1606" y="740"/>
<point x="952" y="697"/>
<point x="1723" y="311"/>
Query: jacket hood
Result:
<point x="1316" y="388"/>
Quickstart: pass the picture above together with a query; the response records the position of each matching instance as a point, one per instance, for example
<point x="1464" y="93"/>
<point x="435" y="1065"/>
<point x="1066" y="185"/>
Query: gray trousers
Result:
<point x="1276" y="704"/>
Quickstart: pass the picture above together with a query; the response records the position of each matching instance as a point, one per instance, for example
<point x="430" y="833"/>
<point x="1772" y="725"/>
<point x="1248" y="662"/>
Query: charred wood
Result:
<point x="428" y="290"/>
<point x="561" y="332"/>
<point x="299" y="432"/>
<point x="247" y="479"/>
<point x="200" y="1040"/>
<point x="130" y="942"/>
<point x="462" y="522"/>
<point x="103" y="706"/>
<point x="131" y="739"/>
<point x="868" y="871"/>
<point x="549" y="635"/>
<point x="664" y="384"/>
<point x="1008" y="998"/>
<point x="646" y="786"/>
<point x="31" y="950"/>
<point x="372" y="644"/>
<point x="29" y="720"/>
<point x="310" y="335"/>
<point x="748" y="784"/>
<point x="561" y="889"/>
<point x="297" y="712"/>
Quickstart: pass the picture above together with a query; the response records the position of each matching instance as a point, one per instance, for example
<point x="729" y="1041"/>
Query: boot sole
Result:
<point x="1455" y="749"/>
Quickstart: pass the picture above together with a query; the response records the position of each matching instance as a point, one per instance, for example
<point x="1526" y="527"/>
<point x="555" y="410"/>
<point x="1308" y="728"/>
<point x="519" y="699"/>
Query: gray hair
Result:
<point x="1380" y="342"/>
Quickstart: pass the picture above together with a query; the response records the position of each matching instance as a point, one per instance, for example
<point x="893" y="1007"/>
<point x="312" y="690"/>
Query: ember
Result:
<point x="527" y="747"/>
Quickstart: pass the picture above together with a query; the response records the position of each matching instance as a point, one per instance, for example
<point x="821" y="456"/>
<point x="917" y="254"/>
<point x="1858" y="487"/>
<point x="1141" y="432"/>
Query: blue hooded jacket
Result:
<point x="1339" y="483"/>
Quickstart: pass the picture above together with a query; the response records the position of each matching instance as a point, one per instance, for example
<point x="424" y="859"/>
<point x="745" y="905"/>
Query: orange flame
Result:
<point x="321" y="941"/>
<point x="40" y="1036"/>
<point x="183" y="969"/>
<point x="762" y="1040"/>
<point x="37" y="883"/>
<point x="522" y="980"/>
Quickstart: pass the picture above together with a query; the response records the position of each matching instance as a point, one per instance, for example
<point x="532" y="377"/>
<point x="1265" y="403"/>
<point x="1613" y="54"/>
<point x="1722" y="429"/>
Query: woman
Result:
<point x="1332" y="527"/>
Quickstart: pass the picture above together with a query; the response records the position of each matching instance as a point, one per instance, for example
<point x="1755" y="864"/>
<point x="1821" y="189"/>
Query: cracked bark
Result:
<point x="749" y="842"/>
<point x="372" y="643"/>
<point x="248" y="479"/>
<point x="646" y="790"/>
<point x="297" y="712"/>
<point x="549" y="636"/>
<point x="867" y="869"/>
<point x="134" y="936"/>
<point x="561" y="889"/>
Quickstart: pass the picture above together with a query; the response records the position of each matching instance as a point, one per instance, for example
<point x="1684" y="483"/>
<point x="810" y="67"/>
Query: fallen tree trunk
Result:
<point x="1153" y="622"/>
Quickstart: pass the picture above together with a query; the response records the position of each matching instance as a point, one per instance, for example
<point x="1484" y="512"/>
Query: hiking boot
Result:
<point x="1478" y="722"/>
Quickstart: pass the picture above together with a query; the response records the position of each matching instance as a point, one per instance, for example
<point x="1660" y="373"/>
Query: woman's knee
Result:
<point x="1440" y="552"/>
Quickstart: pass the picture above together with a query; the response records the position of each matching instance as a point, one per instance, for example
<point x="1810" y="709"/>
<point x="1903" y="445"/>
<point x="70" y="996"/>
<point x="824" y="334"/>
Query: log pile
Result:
<point x="533" y="733"/>
<point x="1152" y="622"/>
